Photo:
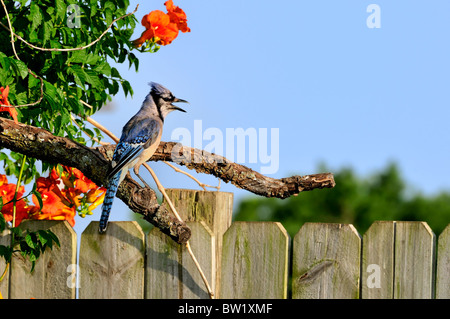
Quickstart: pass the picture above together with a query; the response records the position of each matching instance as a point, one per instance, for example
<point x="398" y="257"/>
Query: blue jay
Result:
<point x="140" y="139"/>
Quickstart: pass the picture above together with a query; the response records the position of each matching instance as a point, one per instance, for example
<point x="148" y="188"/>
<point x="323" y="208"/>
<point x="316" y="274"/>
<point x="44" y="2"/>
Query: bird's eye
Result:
<point x="167" y="98"/>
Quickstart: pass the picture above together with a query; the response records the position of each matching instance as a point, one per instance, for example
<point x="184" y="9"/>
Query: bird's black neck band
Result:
<point x="155" y="99"/>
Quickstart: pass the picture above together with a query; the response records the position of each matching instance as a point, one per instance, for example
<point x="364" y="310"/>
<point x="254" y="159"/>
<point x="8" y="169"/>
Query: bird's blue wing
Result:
<point x="136" y="136"/>
<point x="124" y="154"/>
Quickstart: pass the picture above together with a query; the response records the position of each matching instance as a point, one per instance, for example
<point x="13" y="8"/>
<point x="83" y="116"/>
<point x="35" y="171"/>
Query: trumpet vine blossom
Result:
<point x="162" y="28"/>
<point x="59" y="196"/>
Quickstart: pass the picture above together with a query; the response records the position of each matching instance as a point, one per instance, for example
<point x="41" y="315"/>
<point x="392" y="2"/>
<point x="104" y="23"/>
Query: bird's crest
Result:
<point x="159" y="90"/>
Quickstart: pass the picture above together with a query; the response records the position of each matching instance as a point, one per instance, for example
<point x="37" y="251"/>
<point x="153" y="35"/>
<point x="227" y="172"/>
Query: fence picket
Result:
<point x="326" y="262"/>
<point x="255" y="261"/>
<point x="5" y="239"/>
<point x="50" y="278"/>
<point x="377" y="269"/>
<point x="443" y="265"/>
<point x="112" y="264"/>
<point x="212" y="207"/>
<point x="170" y="271"/>
<point x="162" y="266"/>
<point x="203" y="246"/>
<point x="414" y="261"/>
<point x="397" y="261"/>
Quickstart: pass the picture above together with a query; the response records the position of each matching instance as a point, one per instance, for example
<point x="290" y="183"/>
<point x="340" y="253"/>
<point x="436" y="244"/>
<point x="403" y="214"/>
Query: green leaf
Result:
<point x="109" y="9"/>
<point x="79" y="75"/>
<point x="29" y="241"/>
<point x="48" y="28"/>
<point x="38" y="196"/>
<point x="16" y="231"/>
<point x="35" y="15"/>
<point x="21" y="68"/>
<point x="108" y="15"/>
<point x="92" y="78"/>
<point x="75" y="107"/>
<point x="32" y="256"/>
<point x="2" y="218"/>
<point x="127" y="88"/>
<point x="53" y="237"/>
<point x="93" y="8"/>
<point x="50" y="95"/>
<point x="43" y="237"/>
<point x="33" y="82"/>
<point x="69" y="76"/>
<point x="92" y="59"/>
<point x="50" y="237"/>
<point x="77" y="57"/>
<point x="50" y="11"/>
<point x="115" y="73"/>
<point x="132" y="59"/>
<point x="33" y="264"/>
<point x="60" y="10"/>
<point x="103" y="68"/>
<point x="6" y="252"/>
<point x="21" y="98"/>
<point x="4" y="61"/>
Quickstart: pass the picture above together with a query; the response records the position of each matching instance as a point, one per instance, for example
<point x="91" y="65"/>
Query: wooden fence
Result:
<point x="393" y="259"/>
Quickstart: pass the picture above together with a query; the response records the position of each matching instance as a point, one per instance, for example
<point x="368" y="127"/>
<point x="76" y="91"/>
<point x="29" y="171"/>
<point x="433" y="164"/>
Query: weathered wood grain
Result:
<point x="162" y="266"/>
<point x="112" y="264"/>
<point x="50" y="278"/>
<point x="443" y="265"/>
<point x="398" y="260"/>
<point x="255" y="261"/>
<point x="212" y="207"/>
<point x="170" y="271"/>
<point x="414" y="261"/>
<point x="326" y="262"/>
<point x="377" y="272"/>
<point x="203" y="244"/>
<point x="5" y="239"/>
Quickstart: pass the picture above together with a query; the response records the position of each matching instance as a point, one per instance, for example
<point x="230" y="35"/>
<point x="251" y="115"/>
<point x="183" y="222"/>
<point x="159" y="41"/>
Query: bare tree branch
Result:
<point x="94" y="163"/>
<point x="239" y="175"/>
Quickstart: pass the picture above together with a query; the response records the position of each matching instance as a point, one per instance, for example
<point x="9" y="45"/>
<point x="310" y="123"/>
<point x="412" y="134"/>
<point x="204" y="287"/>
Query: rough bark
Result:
<point x="94" y="163"/>
<point x="239" y="175"/>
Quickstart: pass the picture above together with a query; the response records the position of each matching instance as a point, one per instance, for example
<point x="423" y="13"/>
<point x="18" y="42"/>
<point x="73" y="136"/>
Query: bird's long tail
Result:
<point x="112" y="186"/>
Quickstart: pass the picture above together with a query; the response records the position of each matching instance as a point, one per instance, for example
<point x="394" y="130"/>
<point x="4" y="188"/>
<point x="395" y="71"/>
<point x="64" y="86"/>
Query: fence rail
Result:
<point x="393" y="259"/>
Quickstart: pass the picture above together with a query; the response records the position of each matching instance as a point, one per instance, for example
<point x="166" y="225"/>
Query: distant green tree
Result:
<point x="354" y="200"/>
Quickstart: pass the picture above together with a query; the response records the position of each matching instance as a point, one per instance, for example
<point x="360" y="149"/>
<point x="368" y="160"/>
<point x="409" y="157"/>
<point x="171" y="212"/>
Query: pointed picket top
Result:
<point x="50" y="278"/>
<point x="112" y="264"/>
<point x="415" y="245"/>
<point x="255" y="261"/>
<point x="326" y="262"/>
<point x="212" y="207"/>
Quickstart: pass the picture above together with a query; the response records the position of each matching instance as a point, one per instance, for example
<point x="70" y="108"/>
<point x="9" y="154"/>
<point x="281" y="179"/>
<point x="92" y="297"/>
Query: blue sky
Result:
<point x="339" y="92"/>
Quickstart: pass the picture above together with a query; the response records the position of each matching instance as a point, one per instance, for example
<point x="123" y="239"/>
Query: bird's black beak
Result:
<point x="180" y="101"/>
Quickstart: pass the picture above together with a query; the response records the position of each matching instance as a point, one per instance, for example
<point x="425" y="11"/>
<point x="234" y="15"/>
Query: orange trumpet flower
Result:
<point x="162" y="28"/>
<point x="177" y="16"/>
<point x="4" y="101"/>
